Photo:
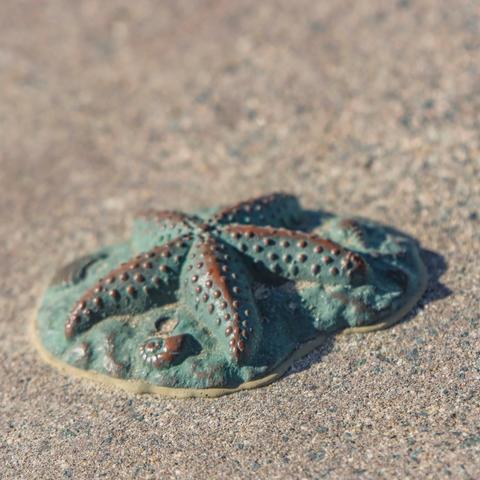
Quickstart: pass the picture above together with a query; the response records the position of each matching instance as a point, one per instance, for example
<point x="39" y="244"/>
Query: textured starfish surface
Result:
<point x="223" y="297"/>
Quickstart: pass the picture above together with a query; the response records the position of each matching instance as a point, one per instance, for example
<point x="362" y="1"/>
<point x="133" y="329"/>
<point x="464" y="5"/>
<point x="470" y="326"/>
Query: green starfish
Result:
<point x="245" y="285"/>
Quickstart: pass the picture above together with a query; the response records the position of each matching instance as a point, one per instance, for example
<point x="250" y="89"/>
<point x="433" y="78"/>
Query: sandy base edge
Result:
<point x="399" y="314"/>
<point x="140" y="387"/>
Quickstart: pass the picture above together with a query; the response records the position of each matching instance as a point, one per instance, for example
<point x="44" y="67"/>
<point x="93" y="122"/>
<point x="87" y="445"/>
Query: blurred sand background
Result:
<point x="367" y="107"/>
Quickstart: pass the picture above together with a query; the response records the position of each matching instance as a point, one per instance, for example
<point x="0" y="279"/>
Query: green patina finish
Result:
<point x="222" y="297"/>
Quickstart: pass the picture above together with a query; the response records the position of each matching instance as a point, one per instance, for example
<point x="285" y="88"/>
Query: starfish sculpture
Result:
<point x="209" y="260"/>
<point x="207" y="271"/>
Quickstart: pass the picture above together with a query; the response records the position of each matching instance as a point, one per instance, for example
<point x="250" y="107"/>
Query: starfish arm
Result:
<point x="276" y="209"/>
<point x="217" y="285"/>
<point x="298" y="256"/>
<point x="148" y="279"/>
<point x="157" y="227"/>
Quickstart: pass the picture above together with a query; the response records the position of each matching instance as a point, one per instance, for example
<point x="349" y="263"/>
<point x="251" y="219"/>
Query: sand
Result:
<point x="368" y="107"/>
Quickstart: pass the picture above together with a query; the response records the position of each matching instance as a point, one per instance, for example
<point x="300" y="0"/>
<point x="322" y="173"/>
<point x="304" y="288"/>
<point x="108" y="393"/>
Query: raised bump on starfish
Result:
<point x="218" y="299"/>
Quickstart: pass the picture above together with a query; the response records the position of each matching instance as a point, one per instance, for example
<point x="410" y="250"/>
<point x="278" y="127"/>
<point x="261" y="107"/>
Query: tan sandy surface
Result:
<point x="369" y="107"/>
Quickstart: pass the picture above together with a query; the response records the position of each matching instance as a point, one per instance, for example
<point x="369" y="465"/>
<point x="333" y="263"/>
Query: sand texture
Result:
<point x="365" y="107"/>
